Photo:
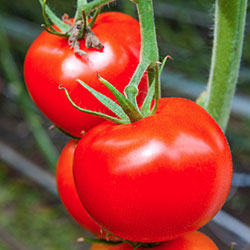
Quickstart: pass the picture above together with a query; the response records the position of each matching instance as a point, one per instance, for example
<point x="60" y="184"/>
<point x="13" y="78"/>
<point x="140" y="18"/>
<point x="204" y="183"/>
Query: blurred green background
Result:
<point x="31" y="217"/>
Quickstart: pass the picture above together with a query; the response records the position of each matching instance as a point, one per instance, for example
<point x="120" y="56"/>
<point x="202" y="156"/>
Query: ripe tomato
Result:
<point x="67" y="192"/>
<point x="190" y="241"/>
<point x="51" y="62"/>
<point x="101" y="246"/>
<point x="157" y="178"/>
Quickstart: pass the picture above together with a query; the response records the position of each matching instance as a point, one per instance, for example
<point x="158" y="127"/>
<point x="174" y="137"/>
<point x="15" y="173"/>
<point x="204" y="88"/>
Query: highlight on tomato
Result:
<point x="157" y="178"/>
<point x="190" y="241"/>
<point x="67" y="192"/>
<point x="50" y="63"/>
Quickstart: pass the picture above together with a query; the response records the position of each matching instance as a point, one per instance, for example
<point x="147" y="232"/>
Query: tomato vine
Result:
<point x="230" y="18"/>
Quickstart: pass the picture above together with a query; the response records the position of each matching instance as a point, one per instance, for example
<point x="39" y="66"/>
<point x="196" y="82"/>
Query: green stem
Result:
<point x="10" y="69"/>
<point x="95" y="4"/>
<point x="79" y="7"/>
<point x="149" y="48"/>
<point x="230" y="16"/>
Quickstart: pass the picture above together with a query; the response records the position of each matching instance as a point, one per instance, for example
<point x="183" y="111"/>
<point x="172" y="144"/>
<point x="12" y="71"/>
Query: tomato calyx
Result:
<point x="127" y="110"/>
<point x="135" y="245"/>
<point x="79" y="29"/>
<point x="91" y="40"/>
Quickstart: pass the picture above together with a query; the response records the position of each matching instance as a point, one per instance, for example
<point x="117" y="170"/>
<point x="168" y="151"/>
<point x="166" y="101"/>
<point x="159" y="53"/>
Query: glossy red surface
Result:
<point x="67" y="192"/>
<point x="157" y="178"/>
<point x="51" y="62"/>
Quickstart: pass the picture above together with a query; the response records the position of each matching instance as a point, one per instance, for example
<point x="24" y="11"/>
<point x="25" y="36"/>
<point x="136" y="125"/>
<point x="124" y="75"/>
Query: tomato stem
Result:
<point x="79" y="8"/>
<point x="94" y="5"/>
<point x="149" y="50"/>
<point x="230" y="16"/>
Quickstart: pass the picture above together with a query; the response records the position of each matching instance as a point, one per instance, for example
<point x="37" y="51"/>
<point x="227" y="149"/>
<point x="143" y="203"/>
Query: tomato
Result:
<point x="157" y="178"/>
<point x="190" y="241"/>
<point x="101" y="246"/>
<point x="51" y="62"/>
<point x="67" y="192"/>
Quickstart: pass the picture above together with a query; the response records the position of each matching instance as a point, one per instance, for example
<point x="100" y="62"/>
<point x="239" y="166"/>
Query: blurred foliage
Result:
<point x="33" y="217"/>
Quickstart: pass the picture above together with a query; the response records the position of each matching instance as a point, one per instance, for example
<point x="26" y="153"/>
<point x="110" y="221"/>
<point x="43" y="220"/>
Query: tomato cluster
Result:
<point x="154" y="181"/>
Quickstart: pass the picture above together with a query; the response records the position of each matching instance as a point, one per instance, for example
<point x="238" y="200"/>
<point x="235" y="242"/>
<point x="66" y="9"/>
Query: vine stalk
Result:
<point x="230" y="16"/>
<point x="149" y="48"/>
<point x="79" y="7"/>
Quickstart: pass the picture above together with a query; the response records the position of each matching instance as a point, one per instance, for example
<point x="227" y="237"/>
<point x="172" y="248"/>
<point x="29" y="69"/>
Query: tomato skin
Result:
<point x="51" y="62"/>
<point x="68" y="194"/>
<point x="101" y="246"/>
<point x="157" y="178"/>
<point x="190" y="241"/>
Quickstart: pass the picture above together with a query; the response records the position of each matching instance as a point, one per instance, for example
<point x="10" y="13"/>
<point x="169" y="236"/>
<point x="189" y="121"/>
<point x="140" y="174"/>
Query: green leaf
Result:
<point x="107" y="117"/>
<point x="54" y="19"/>
<point x="132" y="112"/>
<point x="106" y="101"/>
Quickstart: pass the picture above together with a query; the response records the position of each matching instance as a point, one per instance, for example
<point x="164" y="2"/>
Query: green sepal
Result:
<point x="47" y="24"/>
<point x="106" y="101"/>
<point x="54" y="32"/>
<point x="54" y="19"/>
<point x="164" y="62"/>
<point x="157" y="95"/>
<point x="146" y="106"/>
<point x="96" y="13"/>
<point x="132" y="112"/>
<point x="154" y="91"/>
<point x="68" y="134"/>
<point x="107" y="117"/>
<point x="95" y="4"/>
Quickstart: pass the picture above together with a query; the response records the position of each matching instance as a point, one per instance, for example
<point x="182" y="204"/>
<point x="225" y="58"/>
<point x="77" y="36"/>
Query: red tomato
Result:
<point x="101" y="246"/>
<point x="51" y="62"/>
<point x="67" y="192"/>
<point x="157" y="178"/>
<point x="190" y="241"/>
